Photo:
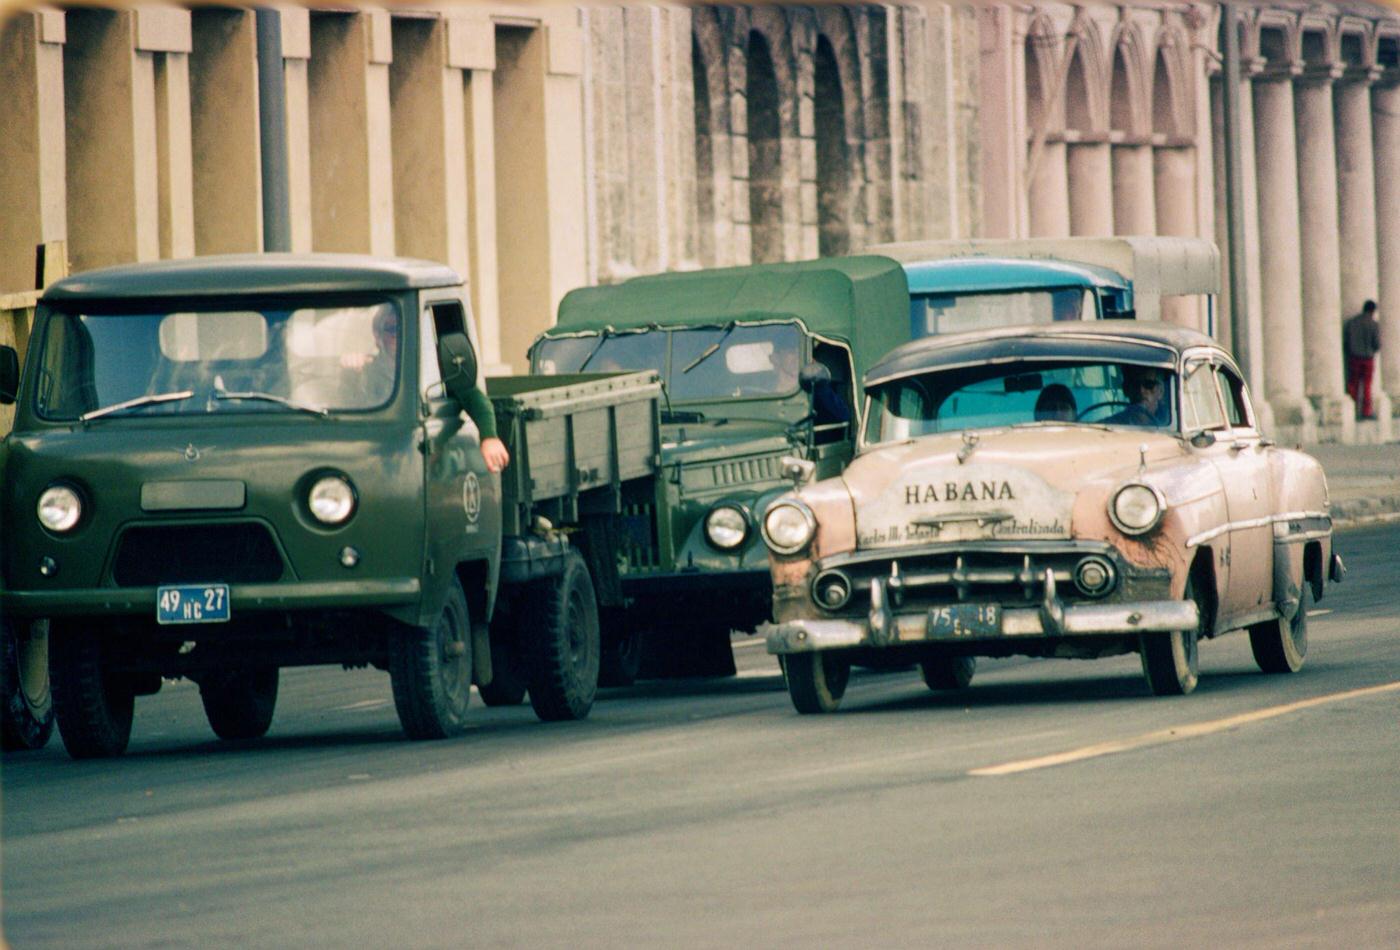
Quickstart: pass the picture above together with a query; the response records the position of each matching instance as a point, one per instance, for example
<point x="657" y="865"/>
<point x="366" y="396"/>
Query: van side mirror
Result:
<point x="9" y="374"/>
<point x="458" y="362"/>
<point x="811" y="375"/>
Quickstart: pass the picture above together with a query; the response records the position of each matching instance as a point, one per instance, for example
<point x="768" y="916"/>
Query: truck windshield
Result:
<point x="1022" y="393"/>
<point x="954" y="312"/>
<point x="697" y="364"/>
<point x="295" y="359"/>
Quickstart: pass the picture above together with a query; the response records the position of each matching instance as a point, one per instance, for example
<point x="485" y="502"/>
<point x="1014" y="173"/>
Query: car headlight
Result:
<point x="788" y="526"/>
<point x="331" y="500"/>
<point x="726" y="527"/>
<point x="1136" y="508"/>
<point x="60" y="508"/>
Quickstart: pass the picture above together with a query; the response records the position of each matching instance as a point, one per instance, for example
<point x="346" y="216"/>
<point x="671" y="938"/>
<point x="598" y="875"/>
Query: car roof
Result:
<point x="1136" y="341"/>
<point x="988" y="274"/>
<point x="252" y="274"/>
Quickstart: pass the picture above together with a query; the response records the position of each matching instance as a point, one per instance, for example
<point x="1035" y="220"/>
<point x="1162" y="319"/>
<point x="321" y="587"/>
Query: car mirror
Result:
<point x="458" y="362"/>
<point x="1203" y="439"/>
<point x="813" y="374"/>
<point x="798" y="471"/>
<point x="9" y="374"/>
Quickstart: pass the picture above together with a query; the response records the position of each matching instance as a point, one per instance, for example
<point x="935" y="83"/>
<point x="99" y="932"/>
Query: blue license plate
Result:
<point x="192" y="603"/>
<point x="965" y="620"/>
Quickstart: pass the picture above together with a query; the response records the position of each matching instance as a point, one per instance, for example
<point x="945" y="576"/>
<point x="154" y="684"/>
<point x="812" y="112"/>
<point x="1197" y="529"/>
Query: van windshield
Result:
<point x="697" y="364"/>
<point x="203" y="361"/>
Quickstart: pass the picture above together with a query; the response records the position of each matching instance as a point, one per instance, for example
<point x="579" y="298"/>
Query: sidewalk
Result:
<point x="1364" y="481"/>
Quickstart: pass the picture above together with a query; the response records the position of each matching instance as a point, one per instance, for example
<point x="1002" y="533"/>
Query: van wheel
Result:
<point x="622" y="651"/>
<point x="239" y="703"/>
<point x="816" y="681"/>
<point x="1281" y="646"/>
<point x="1169" y="660"/>
<point x="431" y="670"/>
<point x="561" y="634"/>
<point x="507" y="686"/>
<point x="948" y="672"/>
<point x="27" y="714"/>
<point x="93" y="708"/>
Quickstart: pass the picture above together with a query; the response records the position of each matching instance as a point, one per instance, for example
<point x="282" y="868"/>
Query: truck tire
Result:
<point x="431" y="671"/>
<point x="562" y="643"/>
<point x="816" y="681"/>
<point x="93" y="708"/>
<point x="239" y="703"/>
<point x="622" y="650"/>
<point x="24" y="685"/>
<point x="1281" y="646"/>
<point x="507" y="686"/>
<point x="1169" y="660"/>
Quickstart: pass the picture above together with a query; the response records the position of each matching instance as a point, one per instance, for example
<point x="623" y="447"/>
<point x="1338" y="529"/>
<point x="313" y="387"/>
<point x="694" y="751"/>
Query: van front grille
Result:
<point x="190" y="554"/>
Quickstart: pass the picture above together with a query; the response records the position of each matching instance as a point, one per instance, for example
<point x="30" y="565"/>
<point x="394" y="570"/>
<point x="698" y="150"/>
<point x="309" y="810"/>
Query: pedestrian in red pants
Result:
<point x="1362" y="338"/>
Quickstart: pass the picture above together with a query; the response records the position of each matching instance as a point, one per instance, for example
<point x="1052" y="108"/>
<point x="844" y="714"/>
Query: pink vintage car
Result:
<point x="1073" y="490"/>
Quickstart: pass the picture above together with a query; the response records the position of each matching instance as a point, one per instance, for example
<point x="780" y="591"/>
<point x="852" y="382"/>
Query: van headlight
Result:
<point x="1136" y="508"/>
<point x="726" y="527"/>
<point x="788" y="526"/>
<point x="331" y="500"/>
<point x="60" y="508"/>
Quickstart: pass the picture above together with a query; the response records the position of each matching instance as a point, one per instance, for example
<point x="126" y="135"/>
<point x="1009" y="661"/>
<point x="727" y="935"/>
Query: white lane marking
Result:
<point x="758" y="674"/>
<point x="750" y="644"/>
<point x="1319" y="612"/>
<point x="364" y="704"/>
<point x="1163" y="736"/>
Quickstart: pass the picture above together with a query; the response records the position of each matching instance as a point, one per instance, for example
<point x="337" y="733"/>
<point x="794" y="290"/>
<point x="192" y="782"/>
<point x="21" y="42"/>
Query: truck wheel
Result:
<point x="1279" y="645"/>
<point x="239" y="703"/>
<point x="93" y="708"/>
<point x="431" y="669"/>
<point x="816" y="681"/>
<point x="507" y="686"/>
<point x="561" y="630"/>
<point x="1169" y="660"/>
<point x="622" y="651"/>
<point x="948" y="672"/>
<point x="27" y="716"/>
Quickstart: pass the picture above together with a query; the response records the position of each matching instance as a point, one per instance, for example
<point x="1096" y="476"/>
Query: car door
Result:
<point x="1244" y="467"/>
<point x="1203" y="422"/>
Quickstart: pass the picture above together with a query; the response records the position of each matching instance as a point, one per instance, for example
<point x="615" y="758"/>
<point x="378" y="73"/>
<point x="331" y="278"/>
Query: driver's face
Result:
<point x="386" y="334"/>
<point x="1150" y="393"/>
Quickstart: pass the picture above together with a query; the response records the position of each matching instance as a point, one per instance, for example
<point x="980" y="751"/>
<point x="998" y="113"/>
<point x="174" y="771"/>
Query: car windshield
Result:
<point x="954" y="312"/>
<point x="206" y="361"/>
<point x="697" y="364"/>
<point x="1063" y="392"/>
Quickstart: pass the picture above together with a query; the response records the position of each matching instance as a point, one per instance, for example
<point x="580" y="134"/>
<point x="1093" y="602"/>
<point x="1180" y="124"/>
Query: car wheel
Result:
<point x="622" y="651"/>
<point x="93" y="708"/>
<point x="27" y="716"/>
<point x="562" y="643"/>
<point x="431" y="671"/>
<point x="948" y="672"/>
<point x="816" y="681"/>
<point x="239" y="703"/>
<point x="1169" y="660"/>
<point x="507" y="686"/>
<point x="1281" y="646"/>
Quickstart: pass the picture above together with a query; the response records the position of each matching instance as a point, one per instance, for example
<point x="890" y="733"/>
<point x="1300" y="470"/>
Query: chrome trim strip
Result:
<point x="1217" y="531"/>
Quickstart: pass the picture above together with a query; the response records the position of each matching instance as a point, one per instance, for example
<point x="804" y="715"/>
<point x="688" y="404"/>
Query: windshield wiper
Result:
<point x="136" y="404"/>
<point x="603" y="337"/>
<point x="280" y="400"/>
<point x="712" y="349"/>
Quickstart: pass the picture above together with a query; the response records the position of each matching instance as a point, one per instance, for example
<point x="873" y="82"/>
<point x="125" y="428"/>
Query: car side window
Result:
<point x="1202" y="398"/>
<point x="429" y="373"/>
<point x="1237" y="408"/>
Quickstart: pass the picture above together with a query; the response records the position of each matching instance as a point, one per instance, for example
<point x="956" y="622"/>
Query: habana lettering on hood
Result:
<point x="958" y="491"/>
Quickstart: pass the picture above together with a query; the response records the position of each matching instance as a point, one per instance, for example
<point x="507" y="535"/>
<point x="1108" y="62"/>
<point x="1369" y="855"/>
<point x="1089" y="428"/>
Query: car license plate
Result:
<point x="965" y="620"/>
<point x="192" y="603"/>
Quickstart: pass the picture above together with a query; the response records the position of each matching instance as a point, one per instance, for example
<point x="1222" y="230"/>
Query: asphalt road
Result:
<point x="1260" y="811"/>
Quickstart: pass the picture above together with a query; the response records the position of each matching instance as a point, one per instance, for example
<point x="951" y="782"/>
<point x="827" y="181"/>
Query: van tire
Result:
<point x="93" y="708"/>
<point x="27" y="714"/>
<point x="562" y="642"/>
<point x="431" y="671"/>
<point x="239" y="703"/>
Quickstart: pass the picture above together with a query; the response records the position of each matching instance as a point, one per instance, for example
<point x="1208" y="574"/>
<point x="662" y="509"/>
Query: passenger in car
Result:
<point x="1056" y="404"/>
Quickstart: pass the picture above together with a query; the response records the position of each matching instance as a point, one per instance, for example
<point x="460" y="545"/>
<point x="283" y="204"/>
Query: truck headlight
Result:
<point x="788" y="526"/>
<point x="726" y="527"/>
<point x="60" y="508"/>
<point x="331" y="500"/>
<point x="1136" y="508"/>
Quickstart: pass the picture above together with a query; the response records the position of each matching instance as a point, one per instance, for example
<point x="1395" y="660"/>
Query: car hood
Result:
<point x="1003" y="484"/>
<point x="715" y="439"/>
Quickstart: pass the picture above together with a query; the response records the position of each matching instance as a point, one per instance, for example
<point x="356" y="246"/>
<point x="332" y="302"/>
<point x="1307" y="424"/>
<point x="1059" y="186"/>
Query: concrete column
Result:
<point x="1174" y="176"/>
<point x="1322" y="292"/>
<point x="1049" y="192"/>
<point x="1281" y="292"/>
<point x="224" y="129"/>
<point x="1001" y="133"/>
<point x="1386" y="138"/>
<point x="32" y="187"/>
<point x="1090" y="189"/>
<point x="1134" y="204"/>
<point x="296" y="62"/>
<point x="352" y="178"/>
<point x="479" y="108"/>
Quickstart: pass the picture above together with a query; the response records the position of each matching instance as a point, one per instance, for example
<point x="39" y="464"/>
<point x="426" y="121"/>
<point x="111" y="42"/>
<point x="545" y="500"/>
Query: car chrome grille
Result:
<point x="186" y="554"/>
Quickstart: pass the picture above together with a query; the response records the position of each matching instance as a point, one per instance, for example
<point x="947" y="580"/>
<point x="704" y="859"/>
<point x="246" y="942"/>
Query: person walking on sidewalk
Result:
<point x="1362" y="336"/>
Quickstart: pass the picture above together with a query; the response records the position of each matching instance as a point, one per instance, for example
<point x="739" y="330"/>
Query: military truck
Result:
<point x="225" y="466"/>
<point x="757" y="363"/>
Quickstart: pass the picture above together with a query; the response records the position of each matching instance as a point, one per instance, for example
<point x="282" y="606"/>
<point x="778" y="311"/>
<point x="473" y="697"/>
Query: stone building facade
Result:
<point x="537" y="148"/>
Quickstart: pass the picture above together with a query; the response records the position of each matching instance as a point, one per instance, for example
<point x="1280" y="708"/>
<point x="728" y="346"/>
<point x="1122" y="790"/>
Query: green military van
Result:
<point x="757" y="363"/>
<point x="224" y="466"/>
